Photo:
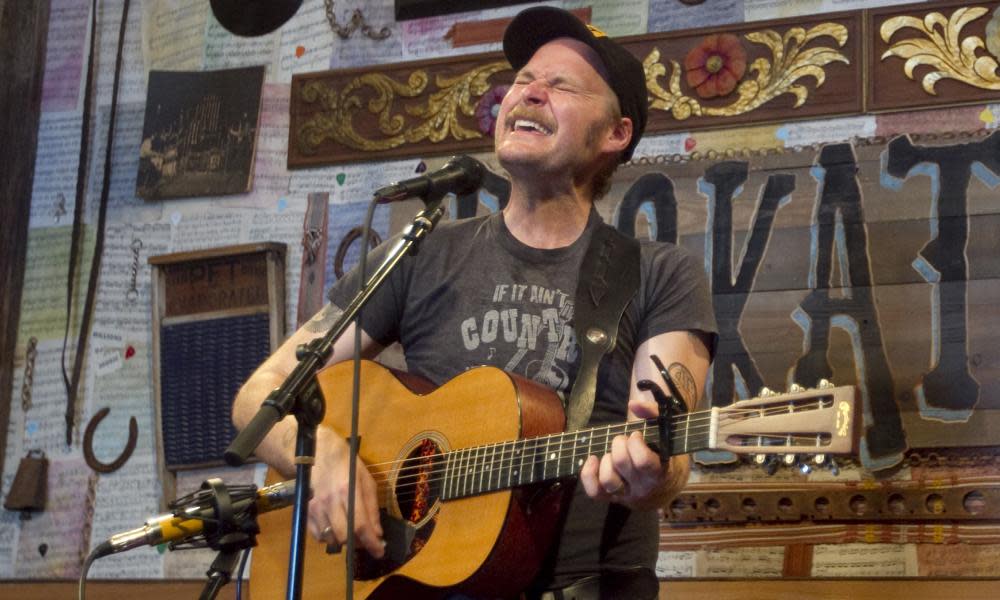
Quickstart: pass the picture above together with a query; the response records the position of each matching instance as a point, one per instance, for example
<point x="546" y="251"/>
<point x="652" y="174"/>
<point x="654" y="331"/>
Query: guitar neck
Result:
<point x="805" y="422"/>
<point x="506" y="465"/>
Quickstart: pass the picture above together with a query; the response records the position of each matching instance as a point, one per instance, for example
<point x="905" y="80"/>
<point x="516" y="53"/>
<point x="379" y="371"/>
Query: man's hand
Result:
<point x="632" y="474"/>
<point x="328" y="507"/>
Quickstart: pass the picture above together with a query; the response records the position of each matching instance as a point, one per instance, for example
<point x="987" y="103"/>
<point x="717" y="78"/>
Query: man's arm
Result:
<point x="631" y="473"/>
<point x="330" y="474"/>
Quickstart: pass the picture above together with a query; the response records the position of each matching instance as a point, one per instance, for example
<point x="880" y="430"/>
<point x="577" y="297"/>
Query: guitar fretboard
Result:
<point x="506" y="465"/>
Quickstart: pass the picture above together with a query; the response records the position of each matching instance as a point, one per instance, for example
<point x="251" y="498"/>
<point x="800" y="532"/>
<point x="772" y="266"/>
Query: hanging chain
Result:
<point x="28" y="381"/>
<point x="357" y="21"/>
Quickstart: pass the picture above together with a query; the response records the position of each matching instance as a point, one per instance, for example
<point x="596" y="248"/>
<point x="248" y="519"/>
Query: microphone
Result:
<point x="187" y="522"/>
<point x="460" y="175"/>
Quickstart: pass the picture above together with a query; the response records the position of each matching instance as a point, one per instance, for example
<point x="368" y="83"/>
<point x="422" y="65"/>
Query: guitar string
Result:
<point x="679" y="423"/>
<point x="531" y="455"/>
<point x="486" y="457"/>
<point x="492" y="466"/>
<point x="407" y="490"/>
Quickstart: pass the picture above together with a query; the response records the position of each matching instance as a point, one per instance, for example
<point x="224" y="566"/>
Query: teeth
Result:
<point x="526" y="124"/>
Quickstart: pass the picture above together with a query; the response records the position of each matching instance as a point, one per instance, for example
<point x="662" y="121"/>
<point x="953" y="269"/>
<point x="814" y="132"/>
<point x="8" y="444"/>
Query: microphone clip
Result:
<point x="228" y="514"/>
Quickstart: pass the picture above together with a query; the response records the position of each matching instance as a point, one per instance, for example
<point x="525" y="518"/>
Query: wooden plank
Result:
<point x="889" y="88"/>
<point x="770" y="336"/>
<point x="23" y="33"/>
<point x="429" y="107"/>
<point x="676" y="589"/>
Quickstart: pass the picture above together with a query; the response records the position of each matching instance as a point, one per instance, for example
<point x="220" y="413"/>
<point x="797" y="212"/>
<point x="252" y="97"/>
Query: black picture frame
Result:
<point x="418" y="9"/>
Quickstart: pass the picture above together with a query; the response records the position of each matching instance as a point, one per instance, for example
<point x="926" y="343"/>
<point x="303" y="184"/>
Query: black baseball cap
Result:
<point x="534" y="27"/>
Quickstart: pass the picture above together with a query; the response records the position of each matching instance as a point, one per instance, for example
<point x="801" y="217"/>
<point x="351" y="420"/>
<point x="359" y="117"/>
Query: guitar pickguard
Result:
<point x="409" y="511"/>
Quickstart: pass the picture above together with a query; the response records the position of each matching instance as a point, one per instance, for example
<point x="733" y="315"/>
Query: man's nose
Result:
<point x="536" y="92"/>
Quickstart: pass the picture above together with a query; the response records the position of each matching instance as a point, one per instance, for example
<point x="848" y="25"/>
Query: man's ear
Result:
<point x="620" y="135"/>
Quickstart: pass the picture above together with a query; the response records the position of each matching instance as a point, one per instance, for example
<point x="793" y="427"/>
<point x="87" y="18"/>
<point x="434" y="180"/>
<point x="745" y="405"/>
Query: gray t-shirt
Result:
<point x="475" y="295"/>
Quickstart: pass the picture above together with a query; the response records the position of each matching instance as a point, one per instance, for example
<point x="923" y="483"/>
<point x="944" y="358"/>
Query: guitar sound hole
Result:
<point x="415" y="493"/>
<point x="418" y="484"/>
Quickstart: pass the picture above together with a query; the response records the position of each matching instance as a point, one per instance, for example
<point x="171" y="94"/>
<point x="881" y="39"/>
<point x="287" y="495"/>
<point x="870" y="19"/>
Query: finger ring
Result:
<point x="327" y="532"/>
<point x="618" y="490"/>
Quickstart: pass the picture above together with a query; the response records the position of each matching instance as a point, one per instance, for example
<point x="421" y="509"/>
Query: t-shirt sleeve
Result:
<point x="383" y="312"/>
<point x="676" y="295"/>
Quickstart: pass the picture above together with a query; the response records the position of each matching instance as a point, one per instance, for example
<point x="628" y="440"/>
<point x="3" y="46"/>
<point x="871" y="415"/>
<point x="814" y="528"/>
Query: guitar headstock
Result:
<point x="801" y="426"/>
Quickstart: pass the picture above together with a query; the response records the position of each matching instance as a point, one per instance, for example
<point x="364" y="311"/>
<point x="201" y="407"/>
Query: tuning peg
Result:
<point x="769" y="464"/>
<point x="824" y="384"/>
<point x="805" y="468"/>
<point x="819" y="459"/>
<point x="834" y="467"/>
<point x="766" y="392"/>
<point x="795" y="388"/>
<point x="788" y="459"/>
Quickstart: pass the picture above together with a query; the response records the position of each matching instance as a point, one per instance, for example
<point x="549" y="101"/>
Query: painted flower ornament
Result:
<point x="716" y="65"/>
<point x="488" y="108"/>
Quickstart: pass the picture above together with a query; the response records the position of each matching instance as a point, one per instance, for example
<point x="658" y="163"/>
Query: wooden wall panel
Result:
<point x="23" y="29"/>
<point x="674" y="589"/>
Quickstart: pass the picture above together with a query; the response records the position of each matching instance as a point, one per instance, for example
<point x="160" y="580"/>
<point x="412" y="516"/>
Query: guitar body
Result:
<point x="466" y="543"/>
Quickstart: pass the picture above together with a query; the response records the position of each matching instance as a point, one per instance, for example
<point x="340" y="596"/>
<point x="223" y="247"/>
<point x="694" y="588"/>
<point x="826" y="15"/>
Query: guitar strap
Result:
<point x="609" y="278"/>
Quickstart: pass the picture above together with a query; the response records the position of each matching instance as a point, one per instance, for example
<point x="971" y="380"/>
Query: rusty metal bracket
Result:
<point x="88" y="444"/>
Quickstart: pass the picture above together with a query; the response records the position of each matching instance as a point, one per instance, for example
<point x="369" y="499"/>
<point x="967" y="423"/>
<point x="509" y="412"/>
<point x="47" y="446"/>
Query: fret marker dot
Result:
<point x="579" y="461"/>
<point x="552" y="456"/>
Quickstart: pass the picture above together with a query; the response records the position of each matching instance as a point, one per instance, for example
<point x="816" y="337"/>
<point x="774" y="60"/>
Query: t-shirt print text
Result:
<point x="527" y="332"/>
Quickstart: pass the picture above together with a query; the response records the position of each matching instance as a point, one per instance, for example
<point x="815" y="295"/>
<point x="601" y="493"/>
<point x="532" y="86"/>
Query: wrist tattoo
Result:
<point x="323" y="320"/>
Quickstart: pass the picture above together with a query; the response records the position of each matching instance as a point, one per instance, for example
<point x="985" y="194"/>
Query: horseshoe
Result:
<point x="88" y="444"/>
<point x="345" y="244"/>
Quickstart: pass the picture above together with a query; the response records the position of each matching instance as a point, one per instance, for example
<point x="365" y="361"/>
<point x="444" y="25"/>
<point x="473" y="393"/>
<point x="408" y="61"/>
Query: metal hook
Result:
<point x="88" y="443"/>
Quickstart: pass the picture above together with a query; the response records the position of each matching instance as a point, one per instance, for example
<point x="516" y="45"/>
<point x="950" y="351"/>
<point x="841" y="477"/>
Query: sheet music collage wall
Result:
<point x="857" y="249"/>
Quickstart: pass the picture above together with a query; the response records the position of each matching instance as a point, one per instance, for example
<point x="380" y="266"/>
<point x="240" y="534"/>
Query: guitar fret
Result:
<point x="493" y="462"/>
<point x="510" y="464"/>
<point x="446" y="493"/>
<point x="466" y="481"/>
<point x="520" y="469"/>
<point x="567" y="445"/>
<point x="477" y="471"/>
<point x="459" y="473"/>
<point x="531" y="454"/>
<point x="545" y="460"/>
<point x="687" y="429"/>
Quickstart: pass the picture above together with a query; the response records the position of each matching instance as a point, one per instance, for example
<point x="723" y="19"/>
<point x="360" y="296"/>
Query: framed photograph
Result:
<point x="200" y="133"/>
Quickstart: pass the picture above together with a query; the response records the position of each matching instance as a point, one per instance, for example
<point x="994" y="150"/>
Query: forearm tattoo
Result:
<point x="685" y="383"/>
<point x="324" y="319"/>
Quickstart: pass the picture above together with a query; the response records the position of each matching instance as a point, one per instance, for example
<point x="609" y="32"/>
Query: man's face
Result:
<point x="556" y="118"/>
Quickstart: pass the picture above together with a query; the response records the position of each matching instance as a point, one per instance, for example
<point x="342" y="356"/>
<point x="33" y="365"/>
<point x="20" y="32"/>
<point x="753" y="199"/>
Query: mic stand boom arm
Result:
<point x="299" y="394"/>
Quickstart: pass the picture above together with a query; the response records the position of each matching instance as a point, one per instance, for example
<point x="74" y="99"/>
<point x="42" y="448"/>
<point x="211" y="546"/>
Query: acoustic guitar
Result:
<point x="471" y="475"/>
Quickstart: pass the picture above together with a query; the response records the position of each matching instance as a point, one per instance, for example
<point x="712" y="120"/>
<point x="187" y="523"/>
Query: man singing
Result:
<point x="499" y="290"/>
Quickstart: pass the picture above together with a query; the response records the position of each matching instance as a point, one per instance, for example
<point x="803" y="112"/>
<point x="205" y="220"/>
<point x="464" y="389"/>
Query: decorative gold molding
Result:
<point x="950" y="56"/>
<point x="790" y="62"/>
<point x="438" y="119"/>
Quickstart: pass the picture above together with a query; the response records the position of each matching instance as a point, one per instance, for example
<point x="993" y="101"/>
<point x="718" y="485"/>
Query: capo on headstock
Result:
<point x="668" y="405"/>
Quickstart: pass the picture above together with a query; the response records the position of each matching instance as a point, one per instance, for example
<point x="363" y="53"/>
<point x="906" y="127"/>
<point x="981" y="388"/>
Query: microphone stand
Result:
<point x="300" y="395"/>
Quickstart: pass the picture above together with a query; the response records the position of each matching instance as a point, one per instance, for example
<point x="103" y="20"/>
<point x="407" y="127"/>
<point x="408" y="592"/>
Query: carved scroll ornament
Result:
<point x="944" y="50"/>
<point x="435" y="120"/>
<point x="790" y="61"/>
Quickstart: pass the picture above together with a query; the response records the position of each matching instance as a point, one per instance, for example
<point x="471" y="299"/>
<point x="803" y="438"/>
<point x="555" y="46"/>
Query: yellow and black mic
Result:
<point x="215" y="502"/>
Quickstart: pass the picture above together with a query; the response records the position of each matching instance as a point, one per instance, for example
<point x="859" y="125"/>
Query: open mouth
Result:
<point x="527" y="125"/>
